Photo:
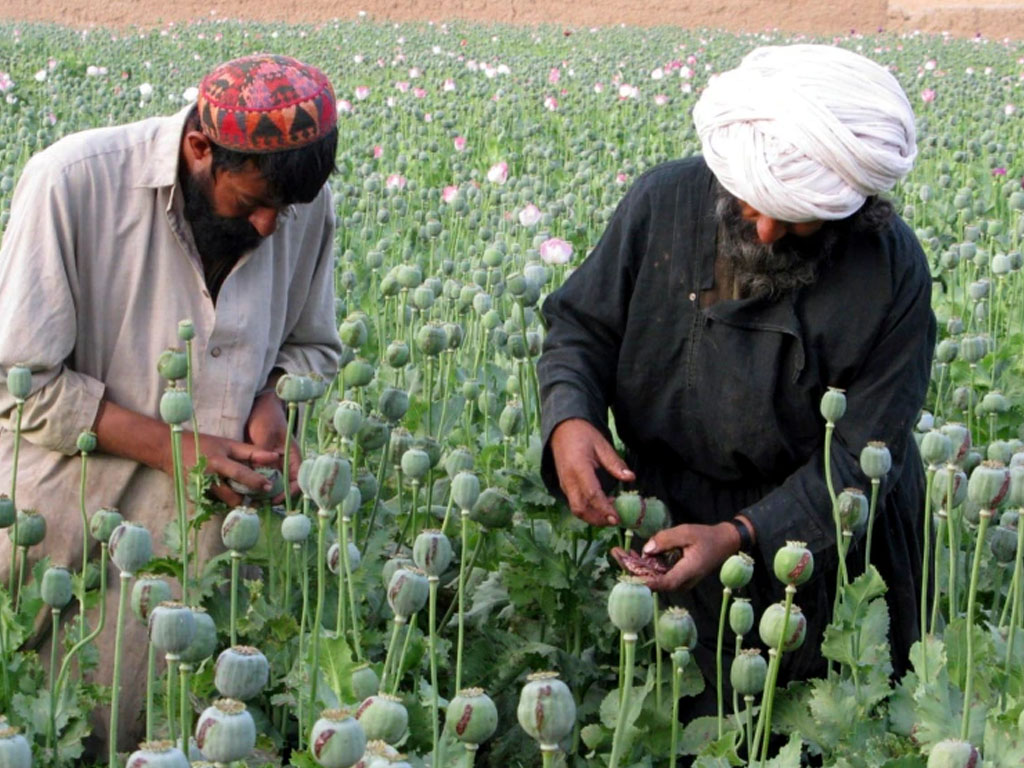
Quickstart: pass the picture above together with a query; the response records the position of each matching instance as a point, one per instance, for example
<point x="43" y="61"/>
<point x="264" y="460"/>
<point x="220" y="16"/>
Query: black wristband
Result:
<point x="746" y="541"/>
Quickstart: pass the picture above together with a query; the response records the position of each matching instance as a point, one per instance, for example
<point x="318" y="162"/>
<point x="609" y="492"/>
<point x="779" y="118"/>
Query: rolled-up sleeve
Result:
<point x="311" y="344"/>
<point x="38" y="289"/>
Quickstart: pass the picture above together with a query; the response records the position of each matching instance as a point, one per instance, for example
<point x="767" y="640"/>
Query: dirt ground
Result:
<point x="965" y="18"/>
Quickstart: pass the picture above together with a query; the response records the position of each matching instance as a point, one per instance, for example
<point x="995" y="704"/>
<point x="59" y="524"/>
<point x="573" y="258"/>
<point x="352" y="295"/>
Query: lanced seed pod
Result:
<point x="493" y="509"/>
<point x="546" y="710"/>
<point x="337" y="739"/>
<point x="157" y="754"/>
<point x="407" y="591"/>
<point x="225" y="731"/>
<point x="472" y="716"/>
<point x="14" y="749"/>
<point x="31" y="529"/>
<point x="147" y="593"/>
<point x="988" y="484"/>
<point x="327" y="481"/>
<point x="240" y="530"/>
<point x="293" y="388"/>
<point x="383" y="717"/>
<point x="793" y="563"/>
<point x="853" y="509"/>
<point x="774" y="629"/>
<point x="654" y="518"/>
<point x="241" y="672"/>
<point x="393" y="403"/>
<point x="131" y="547"/>
<point x="172" y="364"/>
<point x="432" y="552"/>
<point x="103" y="522"/>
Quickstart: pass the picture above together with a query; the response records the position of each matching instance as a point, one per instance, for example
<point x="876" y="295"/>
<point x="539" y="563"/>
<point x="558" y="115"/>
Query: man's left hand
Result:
<point x="704" y="548"/>
<point x="267" y="428"/>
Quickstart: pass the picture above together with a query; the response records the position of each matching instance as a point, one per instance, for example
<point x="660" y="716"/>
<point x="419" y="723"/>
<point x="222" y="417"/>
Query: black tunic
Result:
<point x="719" y="407"/>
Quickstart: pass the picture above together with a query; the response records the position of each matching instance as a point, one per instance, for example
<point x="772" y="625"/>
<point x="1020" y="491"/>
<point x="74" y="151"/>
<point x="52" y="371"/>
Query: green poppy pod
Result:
<point x="994" y="402"/>
<point x="293" y="388"/>
<point x="431" y="446"/>
<point x="327" y="480"/>
<point x="171" y="627"/>
<point x="407" y="592"/>
<point x="793" y="563"/>
<point x="465" y="490"/>
<point x="748" y="672"/>
<point x="471" y="716"/>
<point x="14" y="749"/>
<point x="988" y="484"/>
<point x="936" y="448"/>
<point x="875" y="460"/>
<point x="393" y="564"/>
<point x="204" y="641"/>
<point x="31" y="529"/>
<point x="157" y="754"/>
<point x="946" y="351"/>
<point x="147" y="593"/>
<point x="8" y="513"/>
<point x="393" y="403"/>
<point x="373" y="434"/>
<point x="240" y="530"/>
<point x="103" y="522"/>
<point x="510" y="421"/>
<point x="458" y="460"/>
<point x="422" y="297"/>
<point x="383" y="717"/>
<point x="741" y="616"/>
<point x="353" y="501"/>
<point x="1003" y="543"/>
<point x="225" y="731"/>
<point x="546" y="709"/>
<point x="348" y="419"/>
<point x="455" y="335"/>
<point x="493" y="509"/>
<point x="295" y="527"/>
<point x="353" y="332"/>
<point x="954" y="753"/>
<point x="431" y="339"/>
<point x="1015" y="494"/>
<point x="775" y="631"/>
<point x="186" y="330"/>
<point x="736" y="571"/>
<point x="337" y="740"/>
<point x="19" y="381"/>
<point x="364" y="681"/>
<point x="399" y="442"/>
<point x="86" y="442"/>
<point x="366" y="482"/>
<point x="358" y="373"/>
<point x="175" y="406"/>
<point x="653" y="518"/>
<point x="56" y="589"/>
<point x="680" y="659"/>
<point x="415" y="464"/>
<point x="676" y="629"/>
<point x="1000" y="450"/>
<point x="241" y="672"/>
<point x="409" y="276"/>
<point x="131" y="547"/>
<point x="973" y="348"/>
<point x="853" y="508"/>
<point x="940" y="486"/>
<point x="833" y="405"/>
<point x="630" y="605"/>
<point x="172" y="364"/>
<point x="397" y="354"/>
<point x="432" y="552"/>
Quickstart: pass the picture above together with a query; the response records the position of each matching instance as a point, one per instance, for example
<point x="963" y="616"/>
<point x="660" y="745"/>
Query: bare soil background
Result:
<point x="996" y="19"/>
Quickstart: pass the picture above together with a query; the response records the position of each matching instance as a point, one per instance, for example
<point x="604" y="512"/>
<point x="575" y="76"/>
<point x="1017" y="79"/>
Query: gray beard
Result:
<point x="768" y="271"/>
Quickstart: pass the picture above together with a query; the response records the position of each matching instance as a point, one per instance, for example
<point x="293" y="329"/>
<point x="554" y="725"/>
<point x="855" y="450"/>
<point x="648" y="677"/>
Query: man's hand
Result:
<point x="704" y="547"/>
<point x="267" y="428"/>
<point x="228" y="459"/>
<point x="579" y="448"/>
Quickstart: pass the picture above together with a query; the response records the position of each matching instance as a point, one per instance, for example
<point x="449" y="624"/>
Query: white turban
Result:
<point x="806" y="132"/>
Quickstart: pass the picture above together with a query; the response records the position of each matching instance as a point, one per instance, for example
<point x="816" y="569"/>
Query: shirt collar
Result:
<point x="162" y="168"/>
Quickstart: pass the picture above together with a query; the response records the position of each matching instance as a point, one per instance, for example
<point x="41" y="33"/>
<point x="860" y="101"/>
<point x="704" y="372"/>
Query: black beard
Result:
<point x="220" y="240"/>
<point x="773" y="270"/>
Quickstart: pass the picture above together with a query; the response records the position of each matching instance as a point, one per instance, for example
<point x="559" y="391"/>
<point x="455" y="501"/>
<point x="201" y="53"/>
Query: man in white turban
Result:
<point x="727" y="294"/>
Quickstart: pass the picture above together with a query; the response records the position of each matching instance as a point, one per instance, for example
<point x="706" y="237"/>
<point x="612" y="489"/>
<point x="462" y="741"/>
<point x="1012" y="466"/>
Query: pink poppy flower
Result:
<point x="448" y="193"/>
<point x="362" y="91"/>
<point x="621" y="178"/>
<point x="403" y="86"/>
<point x="395" y="181"/>
<point x="554" y="75"/>
<point x="344" y="105"/>
<point x="555" y="251"/>
<point x="498" y="173"/>
<point x="378" y="150"/>
<point x="449" y="85"/>
<point x="598" y="87"/>
<point x="928" y="95"/>
<point x="419" y="93"/>
<point x="550" y="103"/>
<point x="427" y="117"/>
<point x="460" y="143"/>
<point x="660" y="99"/>
<point x="530" y="215"/>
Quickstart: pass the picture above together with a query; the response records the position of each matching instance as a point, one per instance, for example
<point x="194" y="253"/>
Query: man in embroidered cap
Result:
<point x="218" y="214"/>
<point x="726" y="295"/>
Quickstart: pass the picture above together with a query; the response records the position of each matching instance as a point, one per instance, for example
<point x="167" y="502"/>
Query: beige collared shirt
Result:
<point x="97" y="267"/>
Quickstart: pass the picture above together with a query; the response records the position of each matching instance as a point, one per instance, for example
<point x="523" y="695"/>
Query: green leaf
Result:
<point x="594" y="735"/>
<point x="610" y="705"/>
<point x="303" y="760"/>
<point x="1003" y="745"/>
<point x="789" y="755"/>
<point x="336" y="663"/>
<point x="697" y="733"/>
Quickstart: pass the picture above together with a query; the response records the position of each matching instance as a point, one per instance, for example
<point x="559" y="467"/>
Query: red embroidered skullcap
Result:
<point x="266" y="103"/>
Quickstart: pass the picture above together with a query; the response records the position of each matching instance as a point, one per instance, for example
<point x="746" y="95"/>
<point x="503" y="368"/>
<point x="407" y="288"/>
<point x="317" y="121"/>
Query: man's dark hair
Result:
<point x="293" y="175"/>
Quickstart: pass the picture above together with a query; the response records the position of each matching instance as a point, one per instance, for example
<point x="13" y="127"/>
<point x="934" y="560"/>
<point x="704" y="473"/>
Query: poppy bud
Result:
<point x="833" y="405"/>
<point x="19" y="381"/>
<point x="741" y="616"/>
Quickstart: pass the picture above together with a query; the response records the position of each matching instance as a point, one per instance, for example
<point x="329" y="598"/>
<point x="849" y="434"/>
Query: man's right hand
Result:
<point x="579" y="448"/>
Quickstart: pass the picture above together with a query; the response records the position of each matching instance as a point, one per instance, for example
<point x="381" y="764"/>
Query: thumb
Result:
<point x="612" y="462"/>
<point x="656" y="543"/>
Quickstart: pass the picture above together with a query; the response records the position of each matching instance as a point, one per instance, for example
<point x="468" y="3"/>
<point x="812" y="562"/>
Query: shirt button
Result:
<point x="693" y="297"/>
<point x="215" y="352"/>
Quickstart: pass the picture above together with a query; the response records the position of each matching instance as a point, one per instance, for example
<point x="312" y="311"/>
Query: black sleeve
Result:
<point x="585" y="319"/>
